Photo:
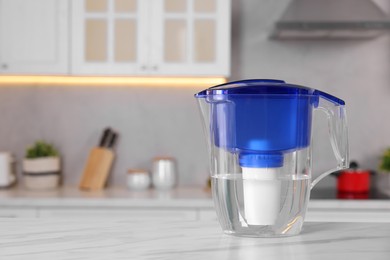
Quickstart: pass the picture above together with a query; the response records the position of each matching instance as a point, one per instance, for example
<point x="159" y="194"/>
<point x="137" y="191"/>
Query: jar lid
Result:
<point x="137" y="171"/>
<point x="163" y="158"/>
<point x="355" y="171"/>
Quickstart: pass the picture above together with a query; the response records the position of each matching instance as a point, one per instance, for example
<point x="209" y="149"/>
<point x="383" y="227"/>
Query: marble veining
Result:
<point x="167" y="239"/>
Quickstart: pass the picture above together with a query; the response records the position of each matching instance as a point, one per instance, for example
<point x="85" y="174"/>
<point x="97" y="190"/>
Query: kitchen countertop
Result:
<point x="164" y="239"/>
<point x="181" y="197"/>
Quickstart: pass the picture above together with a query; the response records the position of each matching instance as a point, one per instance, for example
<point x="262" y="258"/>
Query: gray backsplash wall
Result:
<point x="151" y="122"/>
<point x="165" y="121"/>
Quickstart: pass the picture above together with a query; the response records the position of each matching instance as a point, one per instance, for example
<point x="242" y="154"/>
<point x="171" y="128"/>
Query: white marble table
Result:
<point x="122" y="239"/>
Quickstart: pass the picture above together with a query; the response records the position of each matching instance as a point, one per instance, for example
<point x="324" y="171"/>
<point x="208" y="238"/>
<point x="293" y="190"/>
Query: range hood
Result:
<point x="332" y="19"/>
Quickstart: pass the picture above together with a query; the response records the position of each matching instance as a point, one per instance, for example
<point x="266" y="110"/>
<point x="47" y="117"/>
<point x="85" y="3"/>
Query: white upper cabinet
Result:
<point x="109" y="37"/>
<point x="151" y="37"/>
<point x="190" y="37"/>
<point x="34" y="37"/>
<point x="115" y="37"/>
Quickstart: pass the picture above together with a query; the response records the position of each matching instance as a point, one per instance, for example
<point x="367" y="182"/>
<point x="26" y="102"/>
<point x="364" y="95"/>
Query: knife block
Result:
<point x="97" y="169"/>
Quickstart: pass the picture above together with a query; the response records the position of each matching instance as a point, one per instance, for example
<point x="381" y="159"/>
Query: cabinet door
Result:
<point x="109" y="36"/>
<point x="17" y="212"/>
<point x="129" y="213"/>
<point x="33" y="36"/>
<point x="207" y="214"/>
<point x="190" y="37"/>
<point x="347" y="215"/>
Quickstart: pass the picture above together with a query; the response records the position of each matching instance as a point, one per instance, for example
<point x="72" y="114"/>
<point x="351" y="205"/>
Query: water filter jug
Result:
<point x="259" y="138"/>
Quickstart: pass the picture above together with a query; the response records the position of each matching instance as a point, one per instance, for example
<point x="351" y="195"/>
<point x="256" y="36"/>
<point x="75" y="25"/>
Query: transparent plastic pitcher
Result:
<point x="259" y="139"/>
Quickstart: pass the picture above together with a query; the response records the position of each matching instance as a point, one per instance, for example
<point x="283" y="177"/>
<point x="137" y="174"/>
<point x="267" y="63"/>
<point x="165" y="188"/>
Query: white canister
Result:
<point x="138" y="179"/>
<point x="7" y="170"/>
<point x="164" y="174"/>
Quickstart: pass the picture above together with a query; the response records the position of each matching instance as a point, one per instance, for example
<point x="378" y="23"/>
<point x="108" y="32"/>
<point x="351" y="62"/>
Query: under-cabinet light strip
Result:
<point x="109" y="81"/>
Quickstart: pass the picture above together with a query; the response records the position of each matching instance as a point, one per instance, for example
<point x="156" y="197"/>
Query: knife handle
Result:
<point x="105" y="136"/>
<point x="114" y="136"/>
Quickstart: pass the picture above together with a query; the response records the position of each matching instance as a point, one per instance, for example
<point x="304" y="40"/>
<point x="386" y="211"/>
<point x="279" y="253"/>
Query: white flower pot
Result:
<point x="41" y="173"/>
<point x="41" y="165"/>
<point x="41" y="182"/>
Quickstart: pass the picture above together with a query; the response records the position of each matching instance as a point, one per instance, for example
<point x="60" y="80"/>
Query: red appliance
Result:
<point x="353" y="183"/>
<point x="353" y="180"/>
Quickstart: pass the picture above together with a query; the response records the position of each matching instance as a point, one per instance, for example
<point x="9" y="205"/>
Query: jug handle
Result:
<point x="334" y="108"/>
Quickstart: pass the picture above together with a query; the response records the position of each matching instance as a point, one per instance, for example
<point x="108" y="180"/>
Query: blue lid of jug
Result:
<point x="263" y="87"/>
<point x="256" y="86"/>
<point x="262" y="119"/>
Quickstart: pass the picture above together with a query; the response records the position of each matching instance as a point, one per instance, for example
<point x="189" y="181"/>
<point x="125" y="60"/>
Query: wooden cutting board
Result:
<point x="97" y="169"/>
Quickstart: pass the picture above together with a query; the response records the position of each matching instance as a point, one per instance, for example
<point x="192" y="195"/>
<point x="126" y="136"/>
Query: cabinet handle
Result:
<point x="144" y="67"/>
<point x="154" y="67"/>
<point x="4" y="66"/>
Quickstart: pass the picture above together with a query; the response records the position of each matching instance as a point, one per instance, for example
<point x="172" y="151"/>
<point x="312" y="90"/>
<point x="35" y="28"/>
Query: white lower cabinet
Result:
<point x="328" y="215"/>
<point x="317" y="212"/>
<point x="313" y="215"/>
<point x="130" y="213"/>
<point x="348" y="215"/>
<point x="207" y="214"/>
<point x="18" y="212"/>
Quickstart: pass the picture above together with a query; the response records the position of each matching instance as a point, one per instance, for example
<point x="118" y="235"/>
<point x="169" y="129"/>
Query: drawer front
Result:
<point x="17" y="212"/>
<point x="339" y="215"/>
<point x="207" y="214"/>
<point x="328" y="215"/>
<point x="136" y="214"/>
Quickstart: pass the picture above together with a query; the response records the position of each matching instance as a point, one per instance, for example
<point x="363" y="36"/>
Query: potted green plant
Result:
<point x="41" y="166"/>
<point x="383" y="176"/>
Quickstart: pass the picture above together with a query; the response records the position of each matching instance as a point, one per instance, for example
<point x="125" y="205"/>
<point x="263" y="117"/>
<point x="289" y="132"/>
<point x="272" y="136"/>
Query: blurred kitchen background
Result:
<point x="163" y="120"/>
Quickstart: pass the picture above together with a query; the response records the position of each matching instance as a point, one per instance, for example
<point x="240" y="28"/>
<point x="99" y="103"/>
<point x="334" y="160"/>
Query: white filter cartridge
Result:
<point x="261" y="189"/>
